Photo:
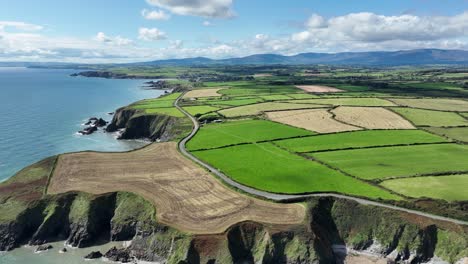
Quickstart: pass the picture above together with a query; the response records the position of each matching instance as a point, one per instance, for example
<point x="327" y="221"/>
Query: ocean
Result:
<point x="41" y="111"/>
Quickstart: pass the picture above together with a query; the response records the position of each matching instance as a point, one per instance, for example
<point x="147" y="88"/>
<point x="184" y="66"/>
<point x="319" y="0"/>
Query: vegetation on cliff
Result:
<point x="83" y="219"/>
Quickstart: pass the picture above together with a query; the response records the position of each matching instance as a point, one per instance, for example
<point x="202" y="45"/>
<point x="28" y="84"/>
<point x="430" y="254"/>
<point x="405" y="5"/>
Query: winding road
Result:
<point x="286" y="197"/>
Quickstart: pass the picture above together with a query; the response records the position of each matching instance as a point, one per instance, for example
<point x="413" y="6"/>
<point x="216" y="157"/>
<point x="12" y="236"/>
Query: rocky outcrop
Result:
<point x="94" y="255"/>
<point x="134" y="124"/>
<point x="112" y="75"/>
<point x="92" y="125"/>
<point x="119" y="255"/>
<point x="90" y="219"/>
<point x="42" y="248"/>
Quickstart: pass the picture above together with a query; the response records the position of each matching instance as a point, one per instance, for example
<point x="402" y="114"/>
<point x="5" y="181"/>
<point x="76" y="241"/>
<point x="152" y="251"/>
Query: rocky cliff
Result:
<point x="332" y="228"/>
<point x="113" y="75"/>
<point x="135" y="124"/>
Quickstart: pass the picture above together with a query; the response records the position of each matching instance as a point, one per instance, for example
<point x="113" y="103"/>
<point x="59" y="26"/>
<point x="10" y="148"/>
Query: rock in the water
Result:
<point x="94" y="255"/>
<point x="110" y="113"/>
<point x="43" y="248"/>
<point x="100" y="122"/>
<point x="88" y="131"/>
<point x="63" y="250"/>
<point x="120" y="255"/>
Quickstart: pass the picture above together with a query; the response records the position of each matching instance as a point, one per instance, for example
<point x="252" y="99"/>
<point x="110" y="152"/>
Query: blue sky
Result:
<point x="135" y="30"/>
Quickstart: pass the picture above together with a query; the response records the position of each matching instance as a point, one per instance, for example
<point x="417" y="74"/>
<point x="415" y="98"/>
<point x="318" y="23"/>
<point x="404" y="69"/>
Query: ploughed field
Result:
<point x="335" y="138"/>
<point x="184" y="195"/>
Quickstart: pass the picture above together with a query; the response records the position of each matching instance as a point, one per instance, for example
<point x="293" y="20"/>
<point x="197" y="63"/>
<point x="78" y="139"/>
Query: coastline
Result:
<point x="323" y="225"/>
<point x="45" y="122"/>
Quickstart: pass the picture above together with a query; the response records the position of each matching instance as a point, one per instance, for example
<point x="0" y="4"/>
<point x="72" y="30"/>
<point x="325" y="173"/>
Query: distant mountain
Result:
<point x="389" y="58"/>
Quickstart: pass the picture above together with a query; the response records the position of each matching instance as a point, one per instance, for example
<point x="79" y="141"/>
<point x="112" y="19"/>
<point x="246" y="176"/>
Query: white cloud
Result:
<point x="176" y="44"/>
<point x="155" y="14"/>
<point x="4" y="25"/>
<point x="207" y="23"/>
<point x="351" y="32"/>
<point x="370" y="27"/>
<point x="203" y="8"/>
<point x="151" y="34"/>
<point x="118" y="40"/>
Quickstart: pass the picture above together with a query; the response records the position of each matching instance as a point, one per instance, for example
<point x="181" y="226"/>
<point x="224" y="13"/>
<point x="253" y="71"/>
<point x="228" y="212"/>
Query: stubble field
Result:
<point x="185" y="196"/>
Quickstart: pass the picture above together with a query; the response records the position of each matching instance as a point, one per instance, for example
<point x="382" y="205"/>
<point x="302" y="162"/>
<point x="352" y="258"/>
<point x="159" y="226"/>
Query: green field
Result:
<point x="389" y="162"/>
<point x="154" y="103"/>
<point x="234" y="102"/>
<point x="347" y="101"/>
<point x="358" y="139"/>
<point x="171" y="111"/>
<point x="302" y="96"/>
<point x="200" y="109"/>
<point x="266" y="167"/>
<point x="162" y="105"/>
<point x="421" y="117"/>
<point x="262" y="89"/>
<point x="457" y="133"/>
<point x="435" y="104"/>
<point x="449" y="188"/>
<point x="235" y="132"/>
<point x="257" y="109"/>
<point x="275" y="97"/>
<point x="163" y="101"/>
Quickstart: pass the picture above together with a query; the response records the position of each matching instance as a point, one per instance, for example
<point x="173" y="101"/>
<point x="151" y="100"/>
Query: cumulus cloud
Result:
<point x="203" y="8"/>
<point x="118" y="40"/>
<point x="155" y="14"/>
<point x="351" y="32"/>
<point x="370" y="27"/>
<point x="151" y="34"/>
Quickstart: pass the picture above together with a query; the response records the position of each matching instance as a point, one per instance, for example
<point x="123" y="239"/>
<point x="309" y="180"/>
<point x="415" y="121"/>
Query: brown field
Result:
<point x="185" y="196"/>
<point x="434" y="104"/>
<point x="318" y="89"/>
<point x="318" y="120"/>
<point x="371" y="118"/>
<point x="260" y="75"/>
<point x="212" y="92"/>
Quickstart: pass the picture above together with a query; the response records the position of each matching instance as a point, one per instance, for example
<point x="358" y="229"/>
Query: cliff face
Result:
<point x="137" y="125"/>
<point x="332" y="227"/>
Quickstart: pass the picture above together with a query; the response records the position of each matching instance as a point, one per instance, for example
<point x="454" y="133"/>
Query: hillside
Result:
<point x="404" y="57"/>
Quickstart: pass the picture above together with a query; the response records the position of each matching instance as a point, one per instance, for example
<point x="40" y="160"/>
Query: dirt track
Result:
<point x="186" y="197"/>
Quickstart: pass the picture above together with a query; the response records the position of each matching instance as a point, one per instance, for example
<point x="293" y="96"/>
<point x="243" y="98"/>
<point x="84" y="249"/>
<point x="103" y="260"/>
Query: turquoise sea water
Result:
<point x="40" y="112"/>
<point x="42" y="109"/>
<point x="26" y="255"/>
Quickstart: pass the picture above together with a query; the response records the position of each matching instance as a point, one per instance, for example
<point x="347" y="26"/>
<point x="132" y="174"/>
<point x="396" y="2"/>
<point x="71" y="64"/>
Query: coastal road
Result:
<point x="286" y="197"/>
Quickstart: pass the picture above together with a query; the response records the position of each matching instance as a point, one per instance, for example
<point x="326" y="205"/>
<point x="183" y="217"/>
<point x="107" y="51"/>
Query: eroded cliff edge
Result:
<point x="332" y="227"/>
<point x="136" y="124"/>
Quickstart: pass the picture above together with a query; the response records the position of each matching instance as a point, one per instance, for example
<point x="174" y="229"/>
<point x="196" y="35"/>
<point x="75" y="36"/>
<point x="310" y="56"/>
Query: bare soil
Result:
<point x="185" y="196"/>
<point x="213" y="92"/>
<point x="371" y="118"/>
<point x="317" y="120"/>
<point x="319" y="89"/>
